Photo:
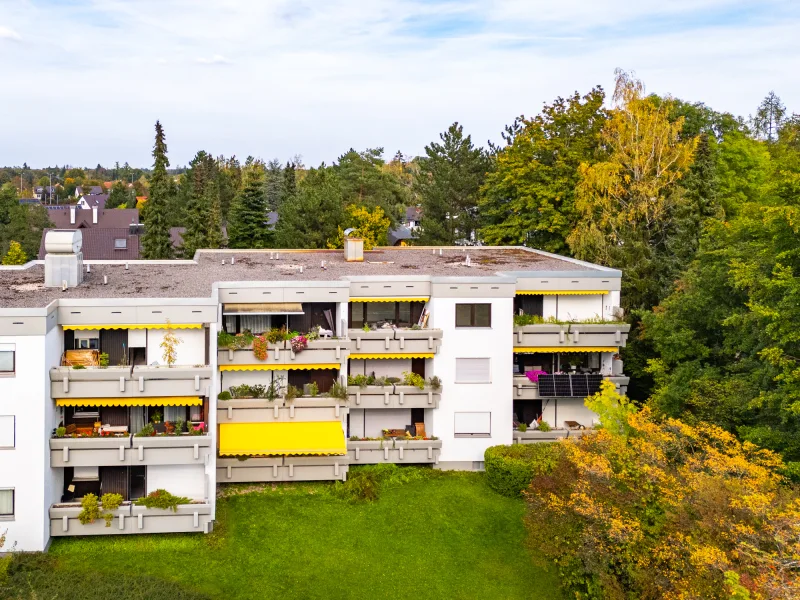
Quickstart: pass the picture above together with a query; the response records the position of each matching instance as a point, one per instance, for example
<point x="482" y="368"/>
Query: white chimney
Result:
<point x="63" y="262"/>
<point x="72" y="214"/>
<point x="94" y="215"/>
<point x="353" y="249"/>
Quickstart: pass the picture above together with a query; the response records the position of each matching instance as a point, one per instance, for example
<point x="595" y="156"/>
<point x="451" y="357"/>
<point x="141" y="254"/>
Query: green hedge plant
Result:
<point x="510" y="469"/>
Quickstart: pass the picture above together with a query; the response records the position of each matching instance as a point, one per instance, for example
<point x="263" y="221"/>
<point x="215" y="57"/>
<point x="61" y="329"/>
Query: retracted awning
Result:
<point x="270" y="367"/>
<point x="561" y="292"/>
<point x="400" y="299"/>
<point x="263" y="308"/>
<point x="253" y="439"/>
<point x="137" y="326"/>
<point x="533" y="349"/>
<point x="401" y="355"/>
<point x="155" y="401"/>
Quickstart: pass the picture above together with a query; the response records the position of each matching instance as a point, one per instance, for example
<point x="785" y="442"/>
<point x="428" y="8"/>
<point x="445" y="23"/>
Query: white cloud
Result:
<point x="9" y="34"/>
<point x="319" y="76"/>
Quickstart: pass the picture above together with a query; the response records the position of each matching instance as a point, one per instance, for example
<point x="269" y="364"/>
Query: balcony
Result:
<point x="130" y="451"/>
<point x="534" y="436"/>
<point x="588" y="337"/>
<point x="129" y="382"/>
<point x="564" y="386"/>
<point x="402" y="342"/>
<point x="393" y="396"/>
<point x="132" y="519"/>
<point x="282" y="468"/>
<point x="318" y="352"/>
<point x="257" y="410"/>
<point x="393" y="450"/>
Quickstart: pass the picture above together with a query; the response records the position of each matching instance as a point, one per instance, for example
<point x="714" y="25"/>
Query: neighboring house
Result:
<point x="400" y="236"/>
<point x="444" y="315"/>
<point x="74" y="217"/>
<point x="92" y="200"/>
<point x="94" y="190"/>
<point x="43" y="193"/>
<point x="114" y="243"/>
<point x="412" y="217"/>
<point x="107" y="185"/>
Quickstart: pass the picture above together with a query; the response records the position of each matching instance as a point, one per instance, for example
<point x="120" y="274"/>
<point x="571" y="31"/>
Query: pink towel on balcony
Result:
<point x="534" y="375"/>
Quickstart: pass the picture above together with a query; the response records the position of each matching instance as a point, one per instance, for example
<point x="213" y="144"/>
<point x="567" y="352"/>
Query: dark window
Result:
<point x="6" y="503"/>
<point x="7" y="361"/>
<point x="473" y="315"/>
<point x="401" y="314"/>
<point x="529" y="305"/>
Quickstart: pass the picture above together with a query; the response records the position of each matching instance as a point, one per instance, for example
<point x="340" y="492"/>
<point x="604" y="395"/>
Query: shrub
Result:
<point x="110" y="503"/>
<point x="224" y="396"/>
<point x="313" y="389"/>
<point x="359" y="380"/>
<point x="169" y="345"/>
<point x="545" y="426"/>
<point x="103" y="360"/>
<point x="435" y="383"/>
<point x="61" y="432"/>
<point x="146" y="431"/>
<point x="510" y="469"/>
<point x="162" y="499"/>
<point x="91" y="509"/>
<point x="414" y="379"/>
<point x="276" y="335"/>
<point x="338" y="390"/>
<point x="292" y="392"/>
<point x="523" y="427"/>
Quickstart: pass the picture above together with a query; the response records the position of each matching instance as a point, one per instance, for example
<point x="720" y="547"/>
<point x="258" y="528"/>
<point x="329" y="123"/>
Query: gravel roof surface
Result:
<point x="24" y="288"/>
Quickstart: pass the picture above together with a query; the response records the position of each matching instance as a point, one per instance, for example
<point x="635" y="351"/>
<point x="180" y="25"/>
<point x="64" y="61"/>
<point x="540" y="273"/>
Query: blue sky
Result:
<point x="85" y="80"/>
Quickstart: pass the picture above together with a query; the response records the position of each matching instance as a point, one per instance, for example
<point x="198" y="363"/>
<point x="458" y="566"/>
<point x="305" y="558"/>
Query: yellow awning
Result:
<point x="402" y="299"/>
<point x="137" y="326"/>
<point x="263" y="308"/>
<point x="253" y="439"/>
<point x="561" y="292"/>
<point x="270" y="367"/>
<point x="155" y="401"/>
<point x="529" y="350"/>
<point x="409" y="355"/>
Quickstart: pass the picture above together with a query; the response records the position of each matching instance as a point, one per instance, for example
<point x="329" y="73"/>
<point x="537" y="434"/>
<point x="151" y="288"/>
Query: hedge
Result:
<point x="510" y="469"/>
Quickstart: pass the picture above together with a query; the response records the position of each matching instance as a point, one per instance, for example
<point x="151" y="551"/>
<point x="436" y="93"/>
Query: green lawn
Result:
<point x="447" y="536"/>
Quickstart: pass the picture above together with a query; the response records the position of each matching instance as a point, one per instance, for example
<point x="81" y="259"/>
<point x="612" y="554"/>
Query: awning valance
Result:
<point x="137" y="326"/>
<point x="270" y="367"/>
<point x="561" y="292"/>
<point x="548" y="349"/>
<point x="402" y="355"/>
<point x="254" y="439"/>
<point x="400" y="299"/>
<point x="263" y="308"/>
<point x="154" y="401"/>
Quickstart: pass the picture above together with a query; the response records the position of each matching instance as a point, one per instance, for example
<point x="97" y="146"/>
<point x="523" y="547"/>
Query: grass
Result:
<point x="433" y="535"/>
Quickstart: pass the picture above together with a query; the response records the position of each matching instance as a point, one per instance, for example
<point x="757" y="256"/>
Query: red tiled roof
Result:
<point x="107" y="217"/>
<point x="98" y="244"/>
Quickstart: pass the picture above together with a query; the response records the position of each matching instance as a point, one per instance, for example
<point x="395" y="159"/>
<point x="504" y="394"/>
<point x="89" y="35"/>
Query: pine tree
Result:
<point x="312" y="218"/>
<point x="156" y="241"/>
<point x="119" y="196"/>
<point x="275" y="183"/>
<point x="16" y="255"/>
<point x="247" y="219"/>
<point x="289" y="181"/>
<point x="769" y="117"/>
<point x="203" y="194"/>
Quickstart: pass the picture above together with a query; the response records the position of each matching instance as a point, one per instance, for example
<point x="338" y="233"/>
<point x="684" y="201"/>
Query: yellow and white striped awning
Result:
<point x="386" y="355"/>
<point x="282" y="367"/>
<point x="154" y="401"/>
<point x="548" y="349"/>
<point x="136" y="326"/>
<point x="561" y="292"/>
<point x="398" y="299"/>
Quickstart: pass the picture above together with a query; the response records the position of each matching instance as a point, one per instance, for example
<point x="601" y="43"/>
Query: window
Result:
<point x="472" y="424"/>
<point x="473" y="370"/>
<point x="7" y="503"/>
<point x="7" y="431"/>
<point x="473" y="315"/>
<point x="120" y="244"/>
<point x="7" y="359"/>
<point x="401" y="314"/>
<point x="87" y="344"/>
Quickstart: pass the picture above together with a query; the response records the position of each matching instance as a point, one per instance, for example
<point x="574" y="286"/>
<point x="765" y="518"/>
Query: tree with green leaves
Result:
<point x="365" y="182"/>
<point x="275" y="182"/>
<point x="202" y="190"/>
<point x="248" y="215"/>
<point x="119" y="196"/>
<point x="230" y="180"/>
<point x="529" y="198"/>
<point x="156" y="241"/>
<point x="448" y="184"/>
<point x="289" y="182"/>
<point x="311" y="219"/>
<point x="769" y="117"/>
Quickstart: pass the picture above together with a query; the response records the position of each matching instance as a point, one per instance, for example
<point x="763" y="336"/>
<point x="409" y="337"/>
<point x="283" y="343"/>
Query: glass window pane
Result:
<point x="463" y="315"/>
<point x="405" y="314"/>
<point x="483" y="315"/>
<point x="381" y="311"/>
<point x="6" y="361"/>
<point x="6" y="502"/>
<point x="358" y="314"/>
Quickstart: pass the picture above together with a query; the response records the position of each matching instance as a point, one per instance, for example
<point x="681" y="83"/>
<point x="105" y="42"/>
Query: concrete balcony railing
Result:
<point x="535" y="436"/>
<point x="282" y="468"/>
<point x="400" y="451"/>
<point x="317" y="352"/>
<point x="132" y="519"/>
<point x="129" y="382"/>
<point x="130" y="451"/>
<point x="573" y="335"/>
<point x="395" y="341"/>
<point x="305" y="408"/>
<point x="393" y="396"/>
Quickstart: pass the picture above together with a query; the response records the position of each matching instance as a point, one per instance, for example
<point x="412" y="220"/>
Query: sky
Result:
<point x="85" y="80"/>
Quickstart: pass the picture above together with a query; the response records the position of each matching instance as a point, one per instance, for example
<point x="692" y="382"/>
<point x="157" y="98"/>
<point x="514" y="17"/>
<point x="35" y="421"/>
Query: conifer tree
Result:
<point x="203" y="195"/>
<point x="247" y="218"/>
<point x="289" y="181"/>
<point x="312" y="218"/>
<point x="156" y="241"/>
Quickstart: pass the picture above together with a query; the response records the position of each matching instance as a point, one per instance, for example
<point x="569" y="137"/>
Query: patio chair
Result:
<point x="420" y="429"/>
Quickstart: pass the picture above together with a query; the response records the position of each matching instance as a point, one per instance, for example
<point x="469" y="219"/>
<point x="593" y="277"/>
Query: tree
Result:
<point x="275" y="184"/>
<point x="448" y="183"/>
<point x="529" y="198"/>
<point x="769" y="117"/>
<point x="628" y="201"/>
<point x="365" y="182"/>
<point x="371" y="226"/>
<point x="248" y="215"/>
<point x="313" y="217"/>
<point x="202" y="189"/>
<point x="230" y="181"/>
<point x="289" y="182"/>
<point x="156" y="241"/>
<point x="15" y="255"/>
<point x="119" y="196"/>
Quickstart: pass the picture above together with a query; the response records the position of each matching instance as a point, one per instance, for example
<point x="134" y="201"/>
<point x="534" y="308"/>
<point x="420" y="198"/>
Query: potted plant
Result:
<point x="170" y="345"/>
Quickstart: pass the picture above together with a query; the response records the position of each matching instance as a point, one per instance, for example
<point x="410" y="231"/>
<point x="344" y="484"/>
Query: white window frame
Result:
<point x="10" y="516"/>
<point x="13" y="431"/>
<point x="477" y="381"/>
<point x="477" y="434"/>
<point x="124" y="245"/>
<point x="10" y="348"/>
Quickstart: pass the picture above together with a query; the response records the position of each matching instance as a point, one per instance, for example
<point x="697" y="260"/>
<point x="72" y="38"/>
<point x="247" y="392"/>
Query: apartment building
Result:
<point x="267" y="366"/>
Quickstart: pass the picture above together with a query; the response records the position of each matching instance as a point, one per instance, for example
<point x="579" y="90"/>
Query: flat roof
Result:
<point x="23" y="288"/>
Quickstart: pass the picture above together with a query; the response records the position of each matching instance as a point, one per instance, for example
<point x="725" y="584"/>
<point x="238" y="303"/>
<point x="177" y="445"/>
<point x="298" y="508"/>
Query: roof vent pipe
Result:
<point x="233" y="259"/>
<point x="105" y="279"/>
